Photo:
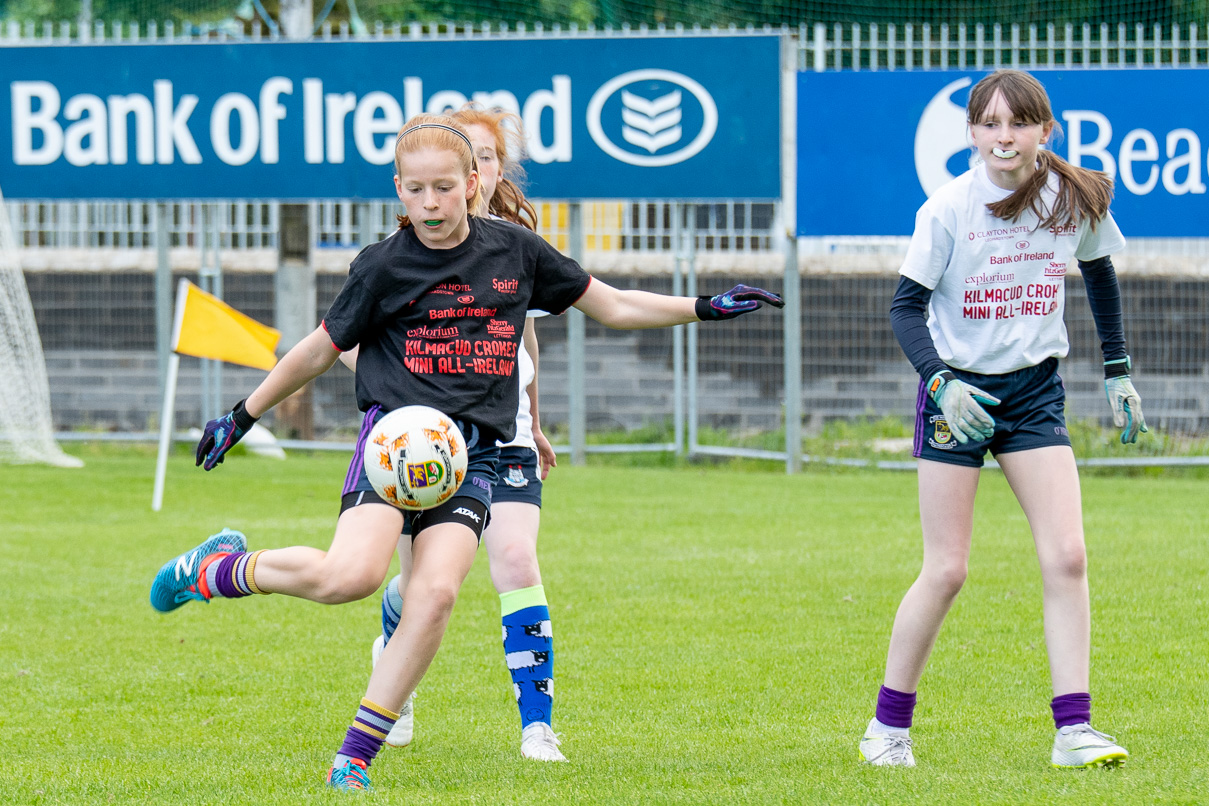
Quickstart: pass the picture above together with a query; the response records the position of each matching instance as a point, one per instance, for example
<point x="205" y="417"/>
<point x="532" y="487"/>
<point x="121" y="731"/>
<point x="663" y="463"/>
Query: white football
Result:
<point x="415" y="458"/>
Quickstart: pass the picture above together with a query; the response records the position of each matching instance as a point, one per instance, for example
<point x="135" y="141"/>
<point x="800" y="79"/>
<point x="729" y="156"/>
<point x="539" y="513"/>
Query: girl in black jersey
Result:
<point x="510" y="537"/>
<point x="436" y="309"/>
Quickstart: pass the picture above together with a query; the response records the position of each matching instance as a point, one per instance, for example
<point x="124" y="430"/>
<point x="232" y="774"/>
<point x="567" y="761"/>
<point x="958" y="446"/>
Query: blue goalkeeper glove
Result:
<point x="222" y="434"/>
<point x="959" y="401"/>
<point x="739" y="300"/>
<point x="1124" y="400"/>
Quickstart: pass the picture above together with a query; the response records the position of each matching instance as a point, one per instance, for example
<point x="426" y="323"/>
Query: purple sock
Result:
<point x="228" y="577"/>
<point x="367" y="733"/>
<point x="1071" y="709"/>
<point x="895" y="708"/>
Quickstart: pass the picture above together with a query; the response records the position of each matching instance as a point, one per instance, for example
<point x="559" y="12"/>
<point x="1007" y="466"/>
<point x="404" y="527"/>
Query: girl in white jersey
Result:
<point x="511" y="535"/>
<point x="395" y="290"/>
<point x="978" y="312"/>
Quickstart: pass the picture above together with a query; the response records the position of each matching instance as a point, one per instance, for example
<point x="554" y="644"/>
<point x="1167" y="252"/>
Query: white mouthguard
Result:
<point x="1004" y="155"/>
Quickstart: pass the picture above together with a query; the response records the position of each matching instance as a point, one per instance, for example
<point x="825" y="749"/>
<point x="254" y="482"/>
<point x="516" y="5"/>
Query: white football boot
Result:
<point x="1082" y="746"/>
<point x="539" y="742"/>
<point x="400" y="735"/>
<point x="886" y="748"/>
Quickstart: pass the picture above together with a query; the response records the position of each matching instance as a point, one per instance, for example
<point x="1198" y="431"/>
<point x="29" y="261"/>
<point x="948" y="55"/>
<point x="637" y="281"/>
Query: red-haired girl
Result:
<point x="446" y="274"/>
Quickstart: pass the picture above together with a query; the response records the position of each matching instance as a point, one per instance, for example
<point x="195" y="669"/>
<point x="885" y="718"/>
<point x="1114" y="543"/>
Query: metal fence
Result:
<point x="724" y="389"/>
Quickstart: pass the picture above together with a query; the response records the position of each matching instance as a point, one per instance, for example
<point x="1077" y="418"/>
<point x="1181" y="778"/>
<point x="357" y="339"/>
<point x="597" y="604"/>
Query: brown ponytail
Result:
<point x="510" y="204"/>
<point x="1082" y="194"/>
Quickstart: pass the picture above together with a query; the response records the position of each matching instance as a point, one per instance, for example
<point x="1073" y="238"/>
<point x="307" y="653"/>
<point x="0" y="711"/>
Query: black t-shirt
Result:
<point x="441" y="327"/>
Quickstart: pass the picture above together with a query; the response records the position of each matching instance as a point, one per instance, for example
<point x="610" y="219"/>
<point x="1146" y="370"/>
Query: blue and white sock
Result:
<point x="392" y="608"/>
<point x="529" y="651"/>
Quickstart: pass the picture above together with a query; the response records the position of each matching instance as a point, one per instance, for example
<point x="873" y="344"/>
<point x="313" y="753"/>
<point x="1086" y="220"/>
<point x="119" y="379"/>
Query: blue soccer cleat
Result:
<point x="176" y="583"/>
<point x="351" y="776"/>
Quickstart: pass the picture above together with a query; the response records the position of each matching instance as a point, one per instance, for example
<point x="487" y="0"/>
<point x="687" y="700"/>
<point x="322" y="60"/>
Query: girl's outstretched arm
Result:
<point x="306" y="360"/>
<point x="634" y="310"/>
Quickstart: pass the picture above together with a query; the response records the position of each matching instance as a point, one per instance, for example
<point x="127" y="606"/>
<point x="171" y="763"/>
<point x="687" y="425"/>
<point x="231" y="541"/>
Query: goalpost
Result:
<point x="26" y="429"/>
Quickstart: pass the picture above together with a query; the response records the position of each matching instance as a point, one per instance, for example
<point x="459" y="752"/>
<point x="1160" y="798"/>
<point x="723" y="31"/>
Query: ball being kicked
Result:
<point x="415" y="458"/>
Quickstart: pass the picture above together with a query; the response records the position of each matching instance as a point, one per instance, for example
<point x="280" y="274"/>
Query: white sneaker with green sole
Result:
<point x="883" y="748"/>
<point x="1082" y="746"/>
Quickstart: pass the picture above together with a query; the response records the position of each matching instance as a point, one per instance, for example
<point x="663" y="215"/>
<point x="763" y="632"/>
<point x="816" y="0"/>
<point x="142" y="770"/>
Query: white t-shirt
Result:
<point x="998" y="287"/>
<point x="524" y="417"/>
<point x="526" y="372"/>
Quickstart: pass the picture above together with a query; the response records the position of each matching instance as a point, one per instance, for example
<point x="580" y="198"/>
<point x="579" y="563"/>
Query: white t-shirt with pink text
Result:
<point x="998" y="287"/>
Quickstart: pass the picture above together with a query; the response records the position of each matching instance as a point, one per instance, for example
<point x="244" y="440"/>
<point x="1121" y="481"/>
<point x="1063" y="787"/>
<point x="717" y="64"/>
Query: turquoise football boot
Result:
<point x="351" y="776"/>
<point x="176" y="583"/>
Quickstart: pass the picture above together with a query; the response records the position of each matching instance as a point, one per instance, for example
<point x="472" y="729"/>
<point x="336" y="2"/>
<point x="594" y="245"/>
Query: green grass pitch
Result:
<point x="720" y="637"/>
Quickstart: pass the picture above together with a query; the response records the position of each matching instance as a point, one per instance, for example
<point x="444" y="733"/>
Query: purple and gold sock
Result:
<point x="895" y="708"/>
<point x="1071" y="709"/>
<point x="232" y="576"/>
<point x="367" y="733"/>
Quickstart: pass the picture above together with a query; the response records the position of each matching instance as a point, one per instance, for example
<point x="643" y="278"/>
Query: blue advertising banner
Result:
<point x="653" y="117"/>
<point x="872" y="146"/>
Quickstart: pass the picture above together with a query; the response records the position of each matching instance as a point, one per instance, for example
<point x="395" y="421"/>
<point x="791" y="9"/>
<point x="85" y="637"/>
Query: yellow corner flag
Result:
<point x="207" y="327"/>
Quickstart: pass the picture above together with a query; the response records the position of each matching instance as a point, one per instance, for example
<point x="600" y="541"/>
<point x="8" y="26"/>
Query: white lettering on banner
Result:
<point x="312" y="120"/>
<point x="1074" y="119"/>
<point x="1131" y="154"/>
<point x="26" y="121"/>
<point x="444" y="102"/>
<point x="1140" y="146"/>
<point x="98" y="131"/>
<point x="367" y="124"/>
<point x="1190" y="160"/>
<point x="119" y="107"/>
<point x="89" y="110"/>
<point x="272" y="111"/>
<point x="557" y="100"/>
<point x="220" y="128"/>
<point x="159" y="128"/>
<point x="559" y="104"/>
<point x="500" y="99"/>
<point x="172" y="126"/>
<point x="336" y="106"/>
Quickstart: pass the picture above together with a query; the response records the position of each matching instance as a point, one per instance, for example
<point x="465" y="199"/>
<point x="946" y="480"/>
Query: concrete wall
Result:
<point x="99" y="336"/>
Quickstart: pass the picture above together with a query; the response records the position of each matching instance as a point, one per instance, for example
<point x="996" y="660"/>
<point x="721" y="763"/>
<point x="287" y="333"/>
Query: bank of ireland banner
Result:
<point x="649" y="117"/>
<point x="873" y="146"/>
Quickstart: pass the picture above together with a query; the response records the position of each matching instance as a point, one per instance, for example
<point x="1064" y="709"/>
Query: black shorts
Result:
<point x="470" y="505"/>
<point x="519" y="480"/>
<point x="1032" y="414"/>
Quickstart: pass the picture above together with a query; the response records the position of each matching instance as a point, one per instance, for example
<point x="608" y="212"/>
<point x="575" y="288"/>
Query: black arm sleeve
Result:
<point x="1104" y="297"/>
<point x="909" y="319"/>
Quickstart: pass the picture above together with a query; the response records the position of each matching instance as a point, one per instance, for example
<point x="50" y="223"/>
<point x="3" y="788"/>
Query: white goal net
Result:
<point x="26" y="429"/>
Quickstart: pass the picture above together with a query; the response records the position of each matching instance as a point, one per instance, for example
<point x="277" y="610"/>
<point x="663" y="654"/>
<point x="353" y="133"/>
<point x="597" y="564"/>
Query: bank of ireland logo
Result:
<point x="940" y="136"/>
<point x="652" y="118"/>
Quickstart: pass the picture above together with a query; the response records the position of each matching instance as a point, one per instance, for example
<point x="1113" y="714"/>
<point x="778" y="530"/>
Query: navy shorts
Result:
<point x="519" y="479"/>
<point x="480" y="478"/>
<point x="1032" y="414"/>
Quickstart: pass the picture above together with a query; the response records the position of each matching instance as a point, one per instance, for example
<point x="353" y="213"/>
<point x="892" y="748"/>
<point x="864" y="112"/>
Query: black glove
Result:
<point x="739" y="300"/>
<point x="222" y="434"/>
